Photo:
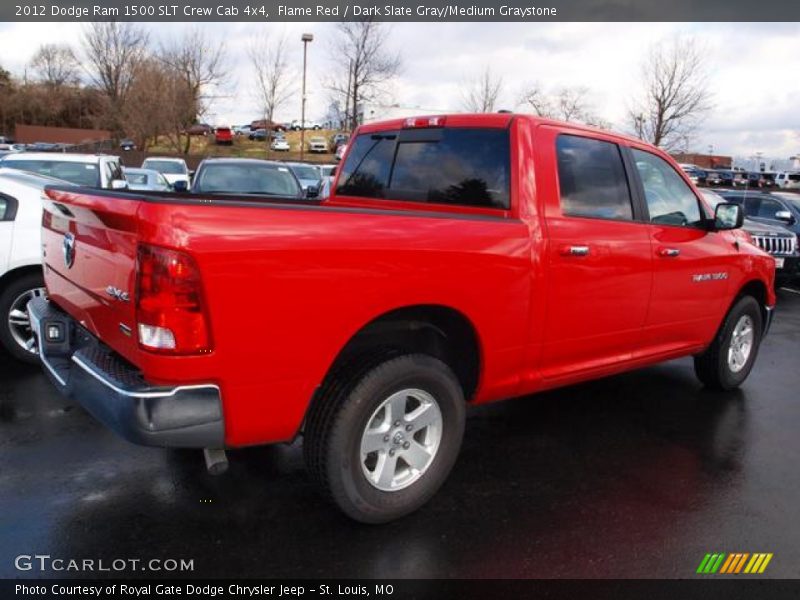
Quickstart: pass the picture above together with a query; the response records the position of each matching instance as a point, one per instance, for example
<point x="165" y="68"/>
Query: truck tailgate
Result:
<point x="89" y="251"/>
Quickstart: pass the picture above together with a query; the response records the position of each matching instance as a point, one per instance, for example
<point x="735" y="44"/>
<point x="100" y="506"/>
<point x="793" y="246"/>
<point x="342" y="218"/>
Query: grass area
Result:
<point x="245" y="148"/>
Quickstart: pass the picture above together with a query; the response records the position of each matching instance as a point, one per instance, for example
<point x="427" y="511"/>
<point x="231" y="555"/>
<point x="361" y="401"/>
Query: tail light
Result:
<point x="171" y="313"/>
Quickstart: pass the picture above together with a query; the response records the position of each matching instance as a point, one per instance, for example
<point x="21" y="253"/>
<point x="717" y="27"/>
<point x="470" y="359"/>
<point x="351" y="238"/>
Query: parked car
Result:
<point x="774" y="208"/>
<point x="371" y="319"/>
<point x="127" y="145"/>
<point x="258" y="135"/>
<point x="146" y="180"/>
<point x="297" y="126"/>
<point x="9" y="147"/>
<point x="756" y="179"/>
<point x="20" y="257"/>
<point x="317" y="144"/>
<point x="338" y="139"/>
<point x="267" y="124"/>
<point x="203" y="129"/>
<point x="246" y="176"/>
<point x="223" y="135"/>
<point x="788" y="180"/>
<point x="340" y="151"/>
<point x="173" y="169"/>
<point x="89" y="170"/>
<point x="308" y="175"/>
<point x="773" y="239"/>
<point x="713" y="178"/>
<point x="695" y="174"/>
<point x="280" y="145"/>
<point x="241" y="129"/>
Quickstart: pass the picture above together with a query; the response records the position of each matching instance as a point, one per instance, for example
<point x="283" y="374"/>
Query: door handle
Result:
<point x="575" y="250"/>
<point x="669" y="252"/>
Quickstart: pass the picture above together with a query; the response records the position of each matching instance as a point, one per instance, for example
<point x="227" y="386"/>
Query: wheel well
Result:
<point x="438" y="331"/>
<point x="20" y="272"/>
<point x="757" y="290"/>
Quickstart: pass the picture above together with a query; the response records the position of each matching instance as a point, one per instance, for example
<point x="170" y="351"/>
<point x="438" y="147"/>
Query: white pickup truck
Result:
<point x="20" y="257"/>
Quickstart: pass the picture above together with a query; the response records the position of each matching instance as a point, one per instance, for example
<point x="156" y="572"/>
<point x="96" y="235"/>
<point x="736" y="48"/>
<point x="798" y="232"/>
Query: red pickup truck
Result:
<point x="460" y="259"/>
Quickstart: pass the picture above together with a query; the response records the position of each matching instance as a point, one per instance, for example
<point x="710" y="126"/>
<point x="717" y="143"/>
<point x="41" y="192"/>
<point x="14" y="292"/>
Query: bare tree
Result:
<point x="56" y="65"/>
<point x="200" y="64"/>
<point x="272" y="74"/>
<point x="675" y="94"/>
<point x="480" y="94"/>
<point x="113" y="50"/>
<point x="365" y="64"/>
<point x="565" y="104"/>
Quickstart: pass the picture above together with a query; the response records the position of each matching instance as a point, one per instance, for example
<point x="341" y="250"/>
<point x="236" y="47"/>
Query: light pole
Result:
<point x="306" y="37"/>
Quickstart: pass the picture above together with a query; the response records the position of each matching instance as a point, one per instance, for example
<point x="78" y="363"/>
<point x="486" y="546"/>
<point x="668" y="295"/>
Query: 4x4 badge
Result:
<point x="68" y="246"/>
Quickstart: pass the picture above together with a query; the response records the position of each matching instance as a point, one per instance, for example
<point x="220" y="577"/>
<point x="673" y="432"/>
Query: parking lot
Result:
<point x="638" y="475"/>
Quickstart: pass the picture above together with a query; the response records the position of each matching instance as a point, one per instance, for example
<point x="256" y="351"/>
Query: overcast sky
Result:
<point x="752" y="68"/>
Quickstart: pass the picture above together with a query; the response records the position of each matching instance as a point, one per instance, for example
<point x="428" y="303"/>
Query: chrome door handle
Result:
<point x="669" y="252"/>
<point x="575" y="250"/>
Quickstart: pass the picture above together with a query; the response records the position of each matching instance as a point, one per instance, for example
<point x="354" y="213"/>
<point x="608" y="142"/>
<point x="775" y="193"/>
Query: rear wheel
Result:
<point x="15" y="332"/>
<point x="382" y="442"/>
<point x="729" y="359"/>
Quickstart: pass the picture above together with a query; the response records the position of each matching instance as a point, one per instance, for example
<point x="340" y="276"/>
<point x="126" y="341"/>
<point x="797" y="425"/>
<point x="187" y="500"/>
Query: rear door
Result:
<point x="691" y="264"/>
<point x="8" y="209"/>
<point x="599" y="263"/>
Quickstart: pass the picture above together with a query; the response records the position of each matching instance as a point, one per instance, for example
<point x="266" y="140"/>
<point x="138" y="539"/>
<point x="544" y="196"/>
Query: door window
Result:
<point x="768" y="208"/>
<point x="591" y="179"/>
<point x="670" y="200"/>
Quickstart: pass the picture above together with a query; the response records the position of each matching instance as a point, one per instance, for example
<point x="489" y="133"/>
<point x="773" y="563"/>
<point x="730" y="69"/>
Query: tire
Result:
<point x="720" y="367"/>
<point x="359" y="400"/>
<point x="13" y="297"/>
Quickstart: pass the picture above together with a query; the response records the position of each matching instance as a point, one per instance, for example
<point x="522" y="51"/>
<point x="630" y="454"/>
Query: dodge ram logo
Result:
<point x="69" y="250"/>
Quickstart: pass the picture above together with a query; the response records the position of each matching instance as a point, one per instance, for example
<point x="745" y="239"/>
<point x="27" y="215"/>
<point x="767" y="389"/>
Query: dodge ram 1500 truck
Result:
<point x="460" y="259"/>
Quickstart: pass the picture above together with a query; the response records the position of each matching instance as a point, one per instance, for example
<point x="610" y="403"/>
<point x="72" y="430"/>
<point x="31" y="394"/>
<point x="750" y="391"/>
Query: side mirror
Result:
<point x="119" y="184"/>
<point x="312" y="191"/>
<point x="784" y="215"/>
<point x="180" y="186"/>
<point x="728" y="215"/>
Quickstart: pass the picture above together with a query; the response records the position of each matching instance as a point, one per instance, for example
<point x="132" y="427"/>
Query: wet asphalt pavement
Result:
<point x="637" y="475"/>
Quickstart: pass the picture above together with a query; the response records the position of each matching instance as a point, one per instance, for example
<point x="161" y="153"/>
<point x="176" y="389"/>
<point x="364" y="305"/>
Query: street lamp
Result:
<point x="306" y="37"/>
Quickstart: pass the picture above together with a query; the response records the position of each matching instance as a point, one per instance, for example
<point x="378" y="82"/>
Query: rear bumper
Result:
<point x="116" y="394"/>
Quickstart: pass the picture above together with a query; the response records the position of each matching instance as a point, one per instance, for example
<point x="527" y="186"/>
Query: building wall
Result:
<point x="29" y="134"/>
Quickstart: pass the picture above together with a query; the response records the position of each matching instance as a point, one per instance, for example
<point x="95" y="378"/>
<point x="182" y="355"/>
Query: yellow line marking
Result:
<point x="758" y="563"/>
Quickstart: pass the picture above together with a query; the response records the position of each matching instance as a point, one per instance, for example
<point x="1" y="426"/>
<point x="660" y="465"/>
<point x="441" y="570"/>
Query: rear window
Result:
<point x="467" y="167"/>
<point x="136" y="178"/>
<point x="249" y="178"/>
<point x="170" y="167"/>
<point x="85" y="174"/>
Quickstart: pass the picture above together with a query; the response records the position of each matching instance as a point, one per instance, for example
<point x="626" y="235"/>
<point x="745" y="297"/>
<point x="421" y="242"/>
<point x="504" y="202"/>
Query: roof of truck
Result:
<point x="56" y="156"/>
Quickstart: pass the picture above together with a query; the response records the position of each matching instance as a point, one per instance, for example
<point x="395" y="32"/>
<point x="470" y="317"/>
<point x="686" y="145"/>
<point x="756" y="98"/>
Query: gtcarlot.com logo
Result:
<point x="45" y="562"/>
<point x="734" y="563"/>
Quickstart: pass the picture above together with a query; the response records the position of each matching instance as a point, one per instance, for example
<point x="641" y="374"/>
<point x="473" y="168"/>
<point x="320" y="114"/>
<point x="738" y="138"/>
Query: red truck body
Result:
<point x="271" y="295"/>
<point x="288" y="287"/>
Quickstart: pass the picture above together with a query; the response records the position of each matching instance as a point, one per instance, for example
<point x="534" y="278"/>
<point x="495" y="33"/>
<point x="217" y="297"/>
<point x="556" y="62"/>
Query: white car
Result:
<point x="20" y="257"/>
<point x="317" y="144"/>
<point x="280" y="144"/>
<point x="89" y="170"/>
<point x="788" y="180"/>
<point x="174" y="169"/>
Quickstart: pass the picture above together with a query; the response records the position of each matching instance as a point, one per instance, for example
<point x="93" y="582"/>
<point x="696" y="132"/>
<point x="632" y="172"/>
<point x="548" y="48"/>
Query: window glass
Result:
<point x="136" y="178"/>
<point x="170" y="167"/>
<point x="768" y="208"/>
<point x="670" y="200"/>
<point x="246" y="178"/>
<point x="3" y="208"/>
<point x="591" y="179"/>
<point x="466" y="167"/>
<point x="86" y="174"/>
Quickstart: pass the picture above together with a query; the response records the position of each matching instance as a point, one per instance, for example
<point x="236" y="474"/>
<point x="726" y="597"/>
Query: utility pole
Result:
<point x="306" y="37"/>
